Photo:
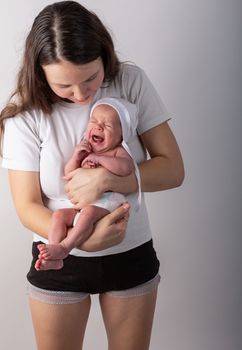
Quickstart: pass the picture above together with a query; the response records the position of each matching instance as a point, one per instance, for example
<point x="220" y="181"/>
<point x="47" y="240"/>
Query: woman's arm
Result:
<point x="164" y="169"/>
<point x="26" y="193"/>
<point x="25" y="188"/>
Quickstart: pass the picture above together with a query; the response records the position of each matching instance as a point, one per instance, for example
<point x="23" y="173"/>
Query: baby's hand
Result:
<point x="91" y="161"/>
<point x="83" y="147"/>
<point x="90" y="165"/>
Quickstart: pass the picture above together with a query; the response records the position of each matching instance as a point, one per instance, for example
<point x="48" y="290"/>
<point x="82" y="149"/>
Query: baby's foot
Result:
<point x="52" y="251"/>
<point x="42" y="265"/>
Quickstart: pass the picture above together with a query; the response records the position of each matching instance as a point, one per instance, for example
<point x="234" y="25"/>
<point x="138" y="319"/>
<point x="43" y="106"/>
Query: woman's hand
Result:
<point x="109" y="231"/>
<point x="86" y="185"/>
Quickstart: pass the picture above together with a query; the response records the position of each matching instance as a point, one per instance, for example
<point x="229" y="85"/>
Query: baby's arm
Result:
<point x="120" y="164"/>
<point x="80" y="152"/>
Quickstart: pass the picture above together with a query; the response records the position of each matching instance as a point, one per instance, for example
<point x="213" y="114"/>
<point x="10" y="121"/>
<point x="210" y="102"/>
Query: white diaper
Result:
<point x="109" y="201"/>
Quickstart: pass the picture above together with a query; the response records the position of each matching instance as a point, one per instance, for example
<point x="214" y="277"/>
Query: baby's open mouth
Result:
<point x="97" y="139"/>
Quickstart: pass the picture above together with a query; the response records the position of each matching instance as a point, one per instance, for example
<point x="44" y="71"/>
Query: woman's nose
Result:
<point x="80" y="93"/>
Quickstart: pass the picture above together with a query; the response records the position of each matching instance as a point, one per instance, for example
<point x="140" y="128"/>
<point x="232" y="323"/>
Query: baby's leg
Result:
<point x="61" y="220"/>
<point x="51" y="254"/>
<point x="84" y="226"/>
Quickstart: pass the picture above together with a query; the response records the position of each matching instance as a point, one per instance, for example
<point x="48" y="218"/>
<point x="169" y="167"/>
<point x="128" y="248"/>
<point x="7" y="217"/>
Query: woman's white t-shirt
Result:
<point x="34" y="141"/>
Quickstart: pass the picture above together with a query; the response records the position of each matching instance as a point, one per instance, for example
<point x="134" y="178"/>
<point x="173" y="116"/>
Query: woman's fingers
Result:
<point x="119" y="214"/>
<point x="70" y="175"/>
<point x="109" y="231"/>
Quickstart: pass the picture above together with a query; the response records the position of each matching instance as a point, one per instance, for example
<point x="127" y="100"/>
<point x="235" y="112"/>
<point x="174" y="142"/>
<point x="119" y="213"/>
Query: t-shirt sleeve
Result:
<point x="21" y="144"/>
<point x="151" y="109"/>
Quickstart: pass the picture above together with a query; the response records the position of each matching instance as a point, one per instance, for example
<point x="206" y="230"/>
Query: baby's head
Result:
<point x="104" y="131"/>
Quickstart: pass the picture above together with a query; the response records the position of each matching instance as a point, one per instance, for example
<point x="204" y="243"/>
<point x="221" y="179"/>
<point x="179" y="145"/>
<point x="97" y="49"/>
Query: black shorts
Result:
<point x="98" y="274"/>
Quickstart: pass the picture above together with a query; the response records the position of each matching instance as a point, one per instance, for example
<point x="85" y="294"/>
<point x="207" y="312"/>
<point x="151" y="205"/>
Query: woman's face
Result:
<point x="77" y="83"/>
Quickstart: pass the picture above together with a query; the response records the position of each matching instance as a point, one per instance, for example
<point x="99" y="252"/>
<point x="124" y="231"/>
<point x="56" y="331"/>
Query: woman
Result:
<point x="69" y="63"/>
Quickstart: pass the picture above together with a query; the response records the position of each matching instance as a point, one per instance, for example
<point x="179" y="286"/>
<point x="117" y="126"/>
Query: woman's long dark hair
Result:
<point x="64" y="30"/>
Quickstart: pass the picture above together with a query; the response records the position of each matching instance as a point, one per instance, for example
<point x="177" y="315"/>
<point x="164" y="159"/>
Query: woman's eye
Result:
<point x="63" y="86"/>
<point x="91" y="78"/>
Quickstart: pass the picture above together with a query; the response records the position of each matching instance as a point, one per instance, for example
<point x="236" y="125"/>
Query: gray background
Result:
<point x="192" y="52"/>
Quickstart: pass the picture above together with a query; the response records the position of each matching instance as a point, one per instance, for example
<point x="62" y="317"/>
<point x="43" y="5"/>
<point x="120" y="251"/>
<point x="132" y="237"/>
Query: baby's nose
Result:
<point x="99" y="127"/>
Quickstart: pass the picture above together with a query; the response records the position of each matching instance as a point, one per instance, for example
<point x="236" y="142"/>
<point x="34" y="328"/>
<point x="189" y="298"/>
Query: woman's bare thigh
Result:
<point x="128" y="321"/>
<point x="60" y="326"/>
